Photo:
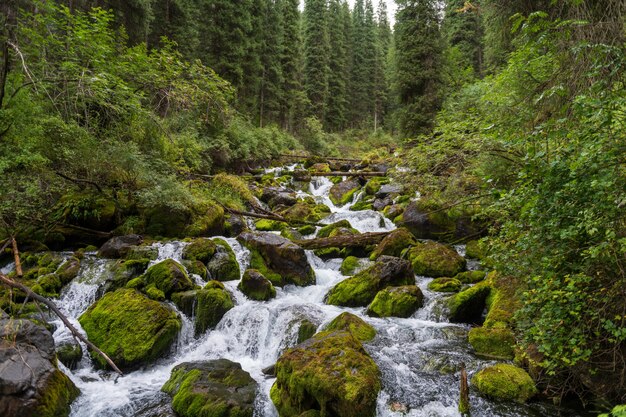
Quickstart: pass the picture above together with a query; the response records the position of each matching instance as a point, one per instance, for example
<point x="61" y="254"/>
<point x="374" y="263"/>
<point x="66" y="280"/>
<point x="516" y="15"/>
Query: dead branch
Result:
<point x="464" y="403"/>
<point x="79" y="180"/>
<point x="328" y="158"/>
<point x="16" y="255"/>
<point x="98" y="233"/>
<point x="13" y="284"/>
<point x="349" y="174"/>
<point x="343" y="241"/>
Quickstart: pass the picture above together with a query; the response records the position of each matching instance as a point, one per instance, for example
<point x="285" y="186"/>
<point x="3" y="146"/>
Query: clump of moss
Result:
<point x="396" y="302"/>
<point x="326" y="231"/>
<point x="154" y="293"/>
<point x="394" y="244"/>
<point x="435" y="260"/>
<point x="445" y="285"/>
<point x="130" y="328"/>
<point x="350" y="323"/>
<point x="493" y="343"/>
<point x="349" y="265"/>
<point x="306" y="229"/>
<point x="342" y="193"/>
<point x="57" y="396"/>
<point x="374" y="184"/>
<point x="468" y="305"/>
<point x="476" y="249"/>
<point x="200" y="250"/>
<point x="255" y="286"/>
<point x="224" y="265"/>
<point x="213" y="302"/>
<point x="124" y="271"/>
<point x="306" y="331"/>
<point x="505" y="382"/>
<point x="470" y="277"/>
<point x="168" y="276"/>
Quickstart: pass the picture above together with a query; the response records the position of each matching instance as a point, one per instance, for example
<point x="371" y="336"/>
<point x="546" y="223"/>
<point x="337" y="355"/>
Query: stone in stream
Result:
<point x="207" y="305"/>
<point x="69" y="353"/>
<point x="394" y="243"/>
<point x="130" y="328"/>
<point x="348" y="322"/>
<point x="468" y="305"/>
<point x="492" y="343"/>
<point x="255" y="286"/>
<point x="505" y="382"/>
<point x="278" y="259"/>
<point x="31" y="385"/>
<point x="168" y="276"/>
<point x="211" y="388"/>
<point x="342" y="192"/>
<point x="119" y="246"/>
<point x="389" y="190"/>
<point x="445" y="285"/>
<point x="361" y="289"/>
<point x="396" y="302"/>
<point x="200" y="250"/>
<point x="331" y="373"/>
<point x="224" y="266"/>
<point x="435" y="260"/>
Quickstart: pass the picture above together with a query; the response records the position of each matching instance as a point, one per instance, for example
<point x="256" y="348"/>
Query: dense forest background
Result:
<point x="512" y="110"/>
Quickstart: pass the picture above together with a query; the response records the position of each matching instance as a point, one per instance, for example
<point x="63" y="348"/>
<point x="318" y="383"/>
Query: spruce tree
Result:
<point x="316" y="55"/>
<point x="336" y="117"/>
<point x="291" y="94"/>
<point x="419" y="52"/>
<point x="270" y="90"/>
<point x="463" y="30"/>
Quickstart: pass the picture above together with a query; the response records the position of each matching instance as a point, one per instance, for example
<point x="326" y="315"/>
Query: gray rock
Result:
<point x="380" y="204"/>
<point x="119" y="246"/>
<point x="389" y="189"/>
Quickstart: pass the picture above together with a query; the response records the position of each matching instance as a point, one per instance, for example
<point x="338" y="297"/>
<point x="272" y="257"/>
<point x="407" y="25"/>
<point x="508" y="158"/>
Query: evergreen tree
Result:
<point x="380" y="84"/>
<point x="316" y="55"/>
<point x="175" y="19"/>
<point x="249" y="89"/>
<point x="419" y="52"/>
<point x="462" y="26"/>
<point x="271" y="77"/>
<point x="291" y="94"/>
<point x="336" y="117"/>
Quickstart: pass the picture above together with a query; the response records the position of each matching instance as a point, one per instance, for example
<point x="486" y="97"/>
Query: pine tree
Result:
<point x="176" y="20"/>
<point x="463" y="30"/>
<point x="291" y="94"/>
<point x="419" y="52"/>
<point x="336" y="117"/>
<point x="380" y="83"/>
<point x="269" y="101"/>
<point x="316" y="55"/>
<point x="248" y="92"/>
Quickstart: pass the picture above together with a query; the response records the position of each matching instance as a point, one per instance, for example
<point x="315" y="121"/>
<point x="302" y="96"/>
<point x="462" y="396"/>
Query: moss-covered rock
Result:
<point x="200" y="250"/>
<point x="470" y="277"/>
<point x="266" y="225"/>
<point x="366" y="204"/>
<point x="468" y="305"/>
<point x="396" y="302"/>
<point x="154" y="293"/>
<point x="119" y="246"/>
<point x="307" y="210"/>
<point x="130" y="328"/>
<point x="343" y="192"/>
<point x="505" y="382"/>
<point x="361" y="289"/>
<point x="68" y="270"/>
<point x="124" y="271"/>
<point x="197" y="268"/>
<point x="306" y="229"/>
<point x="445" y="285"/>
<point x="69" y="353"/>
<point x="349" y="265"/>
<point x="306" y="330"/>
<point x="348" y="322"/>
<point x="435" y="260"/>
<point x="394" y="243"/>
<point x="216" y="388"/>
<point x="255" y="286"/>
<point x="492" y="343"/>
<point x="374" y="184"/>
<point x="142" y="252"/>
<point x="291" y="234"/>
<point x="169" y="276"/>
<point x="207" y="305"/>
<point x="224" y="266"/>
<point x="476" y="249"/>
<point x="326" y="231"/>
<point x="278" y="259"/>
<point x="503" y="300"/>
<point x="330" y="373"/>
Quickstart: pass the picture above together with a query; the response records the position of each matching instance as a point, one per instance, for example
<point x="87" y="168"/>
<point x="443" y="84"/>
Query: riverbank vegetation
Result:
<point x="510" y="113"/>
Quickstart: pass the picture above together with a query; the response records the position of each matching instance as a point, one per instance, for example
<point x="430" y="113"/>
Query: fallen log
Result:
<point x="16" y="256"/>
<point x="343" y="241"/>
<point x="328" y="158"/>
<point x="14" y="284"/>
<point x="271" y="217"/>
<point x="349" y="174"/>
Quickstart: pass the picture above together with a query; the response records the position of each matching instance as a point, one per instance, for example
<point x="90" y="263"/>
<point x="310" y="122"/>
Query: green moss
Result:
<point x="154" y="293"/>
<point x="142" y="252"/>
<point x="197" y="268"/>
<point x="349" y="265"/>
<point x="169" y="276"/>
<point x="291" y="234"/>
<point x="207" y="220"/>
<point x="326" y="231"/>
<point x="227" y="269"/>
<point x="355" y="325"/>
<point x="470" y="277"/>
<point x="269" y="225"/>
<point x="69" y="354"/>
<point x="362" y="205"/>
<point x="503" y="301"/>
<point x="306" y="229"/>
<point x="505" y="382"/>
<point x="396" y="302"/>
<point x="468" y="305"/>
<point x="136" y="283"/>
<point x="257" y="262"/>
<point x="476" y="249"/>
<point x="200" y="250"/>
<point x="125" y="271"/>
<point x="435" y="260"/>
<point x="130" y="328"/>
<point x="306" y="331"/>
<point x="445" y="285"/>
<point x="57" y="396"/>
<point x="492" y="343"/>
<point x="345" y="198"/>
<point x="374" y="184"/>
<point x="255" y="286"/>
<point x="212" y="303"/>
<point x="394" y="243"/>
<point x="330" y="372"/>
<point x="49" y="285"/>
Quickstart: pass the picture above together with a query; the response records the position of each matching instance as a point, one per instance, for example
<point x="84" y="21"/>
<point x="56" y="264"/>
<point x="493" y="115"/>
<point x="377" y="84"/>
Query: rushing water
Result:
<point x="418" y="357"/>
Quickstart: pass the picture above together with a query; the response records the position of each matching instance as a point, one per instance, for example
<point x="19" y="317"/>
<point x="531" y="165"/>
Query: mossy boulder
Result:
<point x="207" y="305"/>
<point x="343" y="192"/>
<point x="68" y="270"/>
<point x="426" y="220"/>
<point x="435" y="260"/>
<point x="69" y="353"/>
<point x="470" y="277"/>
<point x="349" y="265"/>
<point x="255" y="286"/>
<point x="374" y="184"/>
<point x="361" y="289"/>
<point x="124" y="271"/>
<point x="169" y="276"/>
<point x="330" y="373"/>
<point x="348" y="322"/>
<point x="266" y="225"/>
<point x="119" y="246"/>
<point x="130" y="328"/>
<point x="50" y="284"/>
<point x="492" y="343"/>
<point x="326" y="231"/>
<point x="203" y="219"/>
<point x="278" y="259"/>
<point x="476" y="249"/>
<point x="396" y="302"/>
<point x="224" y="266"/>
<point x="307" y="210"/>
<point x="215" y="388"/>
<point x="196" y="268"/>
<point x="445" y="285"/>
<point x="505" y="382"/>
<point x="503" y="300"/>
<point x="468" y="305"/>
<point x="142" y="252"/>
<point x="394" y="243"/>
<point x="200" y="250"/>
<point x="320" y="167"/>
<point x="306" y="330"/>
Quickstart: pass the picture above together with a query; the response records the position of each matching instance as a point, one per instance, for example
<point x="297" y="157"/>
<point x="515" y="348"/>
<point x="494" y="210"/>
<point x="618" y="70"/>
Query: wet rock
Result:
<point x="69" y="353"/>
<point x="348" y="322"/>
<point x="168" y="276"/>
<point x="224" y="266"/>
<point x="306" y="330"/>
<point x="396" y="302"/>
<point x="197" y="268"/>
<point x="119" y="246"/>
<point x="30" y="383"/>
<point x="211" y="388"/>
<point x="505" y="382"/>
<point x="342" y="192"/>
<point x="200" y="250"/>
<point x="389" y="190"/>
<point x="123" y="272"/>
<point x="435" y="260"/>
<point x="207" y="305"/>
<point x="255" y="286"/>
<point x="278" y="196"/>
<point x="468" y="305"/>
<point x="380" y="203"/>
<point x="445" y="285"/>
<point x="492" y="343"/>
<point x="269" y="371"/>
<point x="235" y="225"/>
<point x="361" y="289"/>
<point x="393" y="211"/>
<point x="130" y="328"/>
<point x="394" y="244"/>
<point x="331" y="372"/>
<point x="278" y="259"/>
<point x="351" y="265"/>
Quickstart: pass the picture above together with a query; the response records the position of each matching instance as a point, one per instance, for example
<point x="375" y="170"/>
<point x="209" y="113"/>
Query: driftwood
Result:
<point x="349" y="174"/>
<point x="270" y="217"/>
<point x="343" y="241"/>
<point x="14" y="284"/>
<point x="16" y="256"/>
<point x="464" y="404"/>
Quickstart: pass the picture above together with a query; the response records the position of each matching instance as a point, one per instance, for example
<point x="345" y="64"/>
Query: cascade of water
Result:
<point x="7" y="268"/>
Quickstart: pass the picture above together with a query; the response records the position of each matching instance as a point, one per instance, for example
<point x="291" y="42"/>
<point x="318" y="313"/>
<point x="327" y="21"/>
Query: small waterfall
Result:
<point x="8" y="268"/>
<point x="169" y="250"/>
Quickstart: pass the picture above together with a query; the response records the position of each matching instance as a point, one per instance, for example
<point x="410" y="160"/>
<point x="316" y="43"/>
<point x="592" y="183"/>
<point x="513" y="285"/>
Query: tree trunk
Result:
<point x="344" y="241"/>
